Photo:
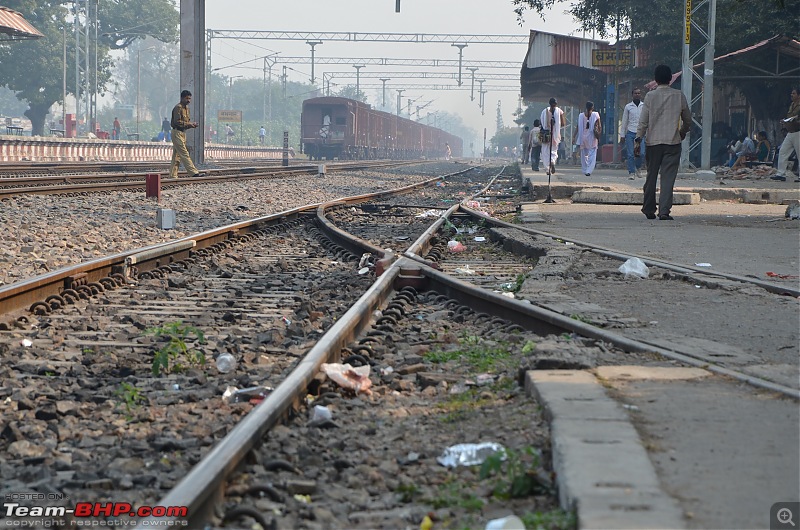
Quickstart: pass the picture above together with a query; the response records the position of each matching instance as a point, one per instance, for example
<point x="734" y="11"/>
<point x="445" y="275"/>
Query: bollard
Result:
<point x="321" y="170"/>
<point x="153" y="186"/>
<point x="285" y="148"/>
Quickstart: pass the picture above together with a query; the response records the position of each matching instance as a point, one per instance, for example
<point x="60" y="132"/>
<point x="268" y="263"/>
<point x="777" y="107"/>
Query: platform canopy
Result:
<point x="571" y="85"/>
<point x="14" y="27"/>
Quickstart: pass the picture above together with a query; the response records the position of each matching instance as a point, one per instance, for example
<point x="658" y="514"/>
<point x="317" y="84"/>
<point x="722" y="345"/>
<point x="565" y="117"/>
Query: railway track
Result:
<point x="424" y="315"/>
<point x="78" y="184"/>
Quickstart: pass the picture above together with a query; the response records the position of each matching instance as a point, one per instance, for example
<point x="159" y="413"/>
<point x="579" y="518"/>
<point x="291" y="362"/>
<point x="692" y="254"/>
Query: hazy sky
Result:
<point x="378" y="16"/>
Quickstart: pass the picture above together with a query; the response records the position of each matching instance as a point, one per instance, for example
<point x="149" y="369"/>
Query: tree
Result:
<point x="656" y="26"/>
<point x="33" y="69"/>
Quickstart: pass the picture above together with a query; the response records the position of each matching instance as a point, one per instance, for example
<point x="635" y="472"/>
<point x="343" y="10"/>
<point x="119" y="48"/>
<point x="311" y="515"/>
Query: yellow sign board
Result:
<point x="688" y="27"/>
<point x="229" y="116"/>
<point x="609" y="57"/>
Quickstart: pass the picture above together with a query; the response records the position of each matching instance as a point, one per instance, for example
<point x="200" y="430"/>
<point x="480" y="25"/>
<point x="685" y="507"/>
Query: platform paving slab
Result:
<point x="726" y="451"/>
<point x="628" y="197"/>
<point x="603" y="470"/>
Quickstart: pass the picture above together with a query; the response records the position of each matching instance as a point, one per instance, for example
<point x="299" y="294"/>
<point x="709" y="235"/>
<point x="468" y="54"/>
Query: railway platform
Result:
<point x="722" y="453"/>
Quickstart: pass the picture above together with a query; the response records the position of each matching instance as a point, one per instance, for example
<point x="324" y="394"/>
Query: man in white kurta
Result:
<point x="588" y="122"/>
<point x="552" y="119"/>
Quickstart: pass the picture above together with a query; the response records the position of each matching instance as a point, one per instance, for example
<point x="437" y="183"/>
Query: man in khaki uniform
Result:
<point x="180" y="123"/>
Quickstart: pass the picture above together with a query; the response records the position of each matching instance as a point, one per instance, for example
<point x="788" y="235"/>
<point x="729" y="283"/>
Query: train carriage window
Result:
<point x="326" y="113"/>
<point x="341" y="121"/>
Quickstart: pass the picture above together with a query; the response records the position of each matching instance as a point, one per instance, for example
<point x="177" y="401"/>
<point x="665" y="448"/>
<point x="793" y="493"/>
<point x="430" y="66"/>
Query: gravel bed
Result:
<point x="46" y="232"/>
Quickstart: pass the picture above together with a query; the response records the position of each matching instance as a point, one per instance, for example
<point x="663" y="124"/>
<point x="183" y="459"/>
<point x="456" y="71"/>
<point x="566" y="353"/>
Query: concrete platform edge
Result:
<point x="602" y="469"/>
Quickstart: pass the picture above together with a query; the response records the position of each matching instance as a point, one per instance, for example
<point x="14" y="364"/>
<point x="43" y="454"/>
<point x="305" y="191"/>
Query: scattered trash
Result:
<point x="472" y="204"/>
<point x="363" y="271"/>
<point x="305" y="499"/>
<point x="429" y="213"/>
<point x="469" y="454"/>
<point x="569" y="243"/>
<point x="320" y="417"/>
<point x="253" y="394"/>
<point x="401" y="238"/>
<point x="364" y="261"/>
<point x="440" y="184"/>
<point x="426" y="524"/>
<point x="464" y="270"/>
<point x="176" y="386"/>
<point x="793" y="210"/>
<point x="698" y="286"/>
<point x="286" y="321"/>
<point x="634" y="267"/>
<point x="630" y="407"/>
<point x="455" y="246"/>
<point x="484" y="379"/>
<point x="377" y="314"/>
<point x="508" y="295"/>
<point x="26" y="343"/>
<point x="781" y="276"/>
<point x="702" y="264"/>
<point x="508" y="286"/>
<point x="344" y="375"/>
<point x="480" y="239"/>
<point x="510" y="522"/>
<point x="226" y="363"/>
<point x="386" y="371"/>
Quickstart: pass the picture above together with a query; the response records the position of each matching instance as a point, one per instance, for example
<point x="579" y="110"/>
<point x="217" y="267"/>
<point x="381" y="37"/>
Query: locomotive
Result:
<point x="335" y="127"/>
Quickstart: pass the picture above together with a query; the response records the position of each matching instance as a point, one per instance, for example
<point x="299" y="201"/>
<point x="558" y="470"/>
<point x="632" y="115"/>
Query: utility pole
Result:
<point x="399" y="100"/>
<point x="358" y="68"/>
<point x="472" y="69"/>
<point x="313" y="43"/>
<point x="460" y="54"/>
<point x="383" y="80"/>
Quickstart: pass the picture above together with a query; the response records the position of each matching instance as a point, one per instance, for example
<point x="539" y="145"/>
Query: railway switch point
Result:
<point x="165" y="218"/>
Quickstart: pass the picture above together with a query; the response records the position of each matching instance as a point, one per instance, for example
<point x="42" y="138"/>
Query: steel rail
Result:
<point x="244" y="174"/>
<point x="453" y="287"/>
<point x="611" y="253"/>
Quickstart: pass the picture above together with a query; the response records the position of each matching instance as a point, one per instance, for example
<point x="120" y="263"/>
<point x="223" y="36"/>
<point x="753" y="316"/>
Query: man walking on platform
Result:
<point x="180" y="123"/>
<point x="552" y="120"/>
<point x="627" y="132"/>
<point x="665" y="119"/>
<point x="791" y="144"/>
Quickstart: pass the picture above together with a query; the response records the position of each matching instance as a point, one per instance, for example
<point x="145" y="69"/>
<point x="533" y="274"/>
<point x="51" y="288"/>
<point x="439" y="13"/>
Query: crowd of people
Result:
<point x="651" y="131"/>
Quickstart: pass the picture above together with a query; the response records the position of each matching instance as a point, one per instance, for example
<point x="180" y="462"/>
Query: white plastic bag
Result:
<point x="634" y="267"/>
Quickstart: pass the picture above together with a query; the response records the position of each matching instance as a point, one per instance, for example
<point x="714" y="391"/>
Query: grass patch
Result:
<point x="556" y="519"/>
<point x="477" y="354"/>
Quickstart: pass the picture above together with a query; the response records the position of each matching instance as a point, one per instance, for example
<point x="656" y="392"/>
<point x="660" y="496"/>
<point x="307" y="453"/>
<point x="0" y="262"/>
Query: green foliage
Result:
<point x="581" y="318"/>
<point x="170" y="358"/>
<point x="131" y="398"/>
<point x="528" y="347"/>
<point x="407" y="492"/>
<point x="556" y="519"/>
<point x="478" y="355"/>
<point x="514" y="473"/>
<point x="454" y="494"/>
<point x="33" y="68"/>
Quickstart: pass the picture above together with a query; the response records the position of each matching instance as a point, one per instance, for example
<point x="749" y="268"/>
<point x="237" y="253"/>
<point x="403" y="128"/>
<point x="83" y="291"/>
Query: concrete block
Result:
<point x="629" y="197"/>
<point x="603" y="470"/>
<point x="165" y="218"/>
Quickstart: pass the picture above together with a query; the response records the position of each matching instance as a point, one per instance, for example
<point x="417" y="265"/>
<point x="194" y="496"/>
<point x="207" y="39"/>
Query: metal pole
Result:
<point x="472" y="69"/>
<point x="94" y="92"/>
<point x="399" y="100"/>
<point x="460" y="54"/>
<point x="708" y="87"/>
<point x="77" y="66"/>
<point x="64" y="80"/>
<point x="383" y="80"/>
<point x="615" y="156"/>
<point x="138" y="86"/>
<point x="313" y="43"/>
<point x="686" y="76"/>
<point x="358" y="68"/>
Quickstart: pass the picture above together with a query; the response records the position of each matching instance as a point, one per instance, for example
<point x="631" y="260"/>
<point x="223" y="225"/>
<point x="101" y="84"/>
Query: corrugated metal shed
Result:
<point x="13" y="26"/>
